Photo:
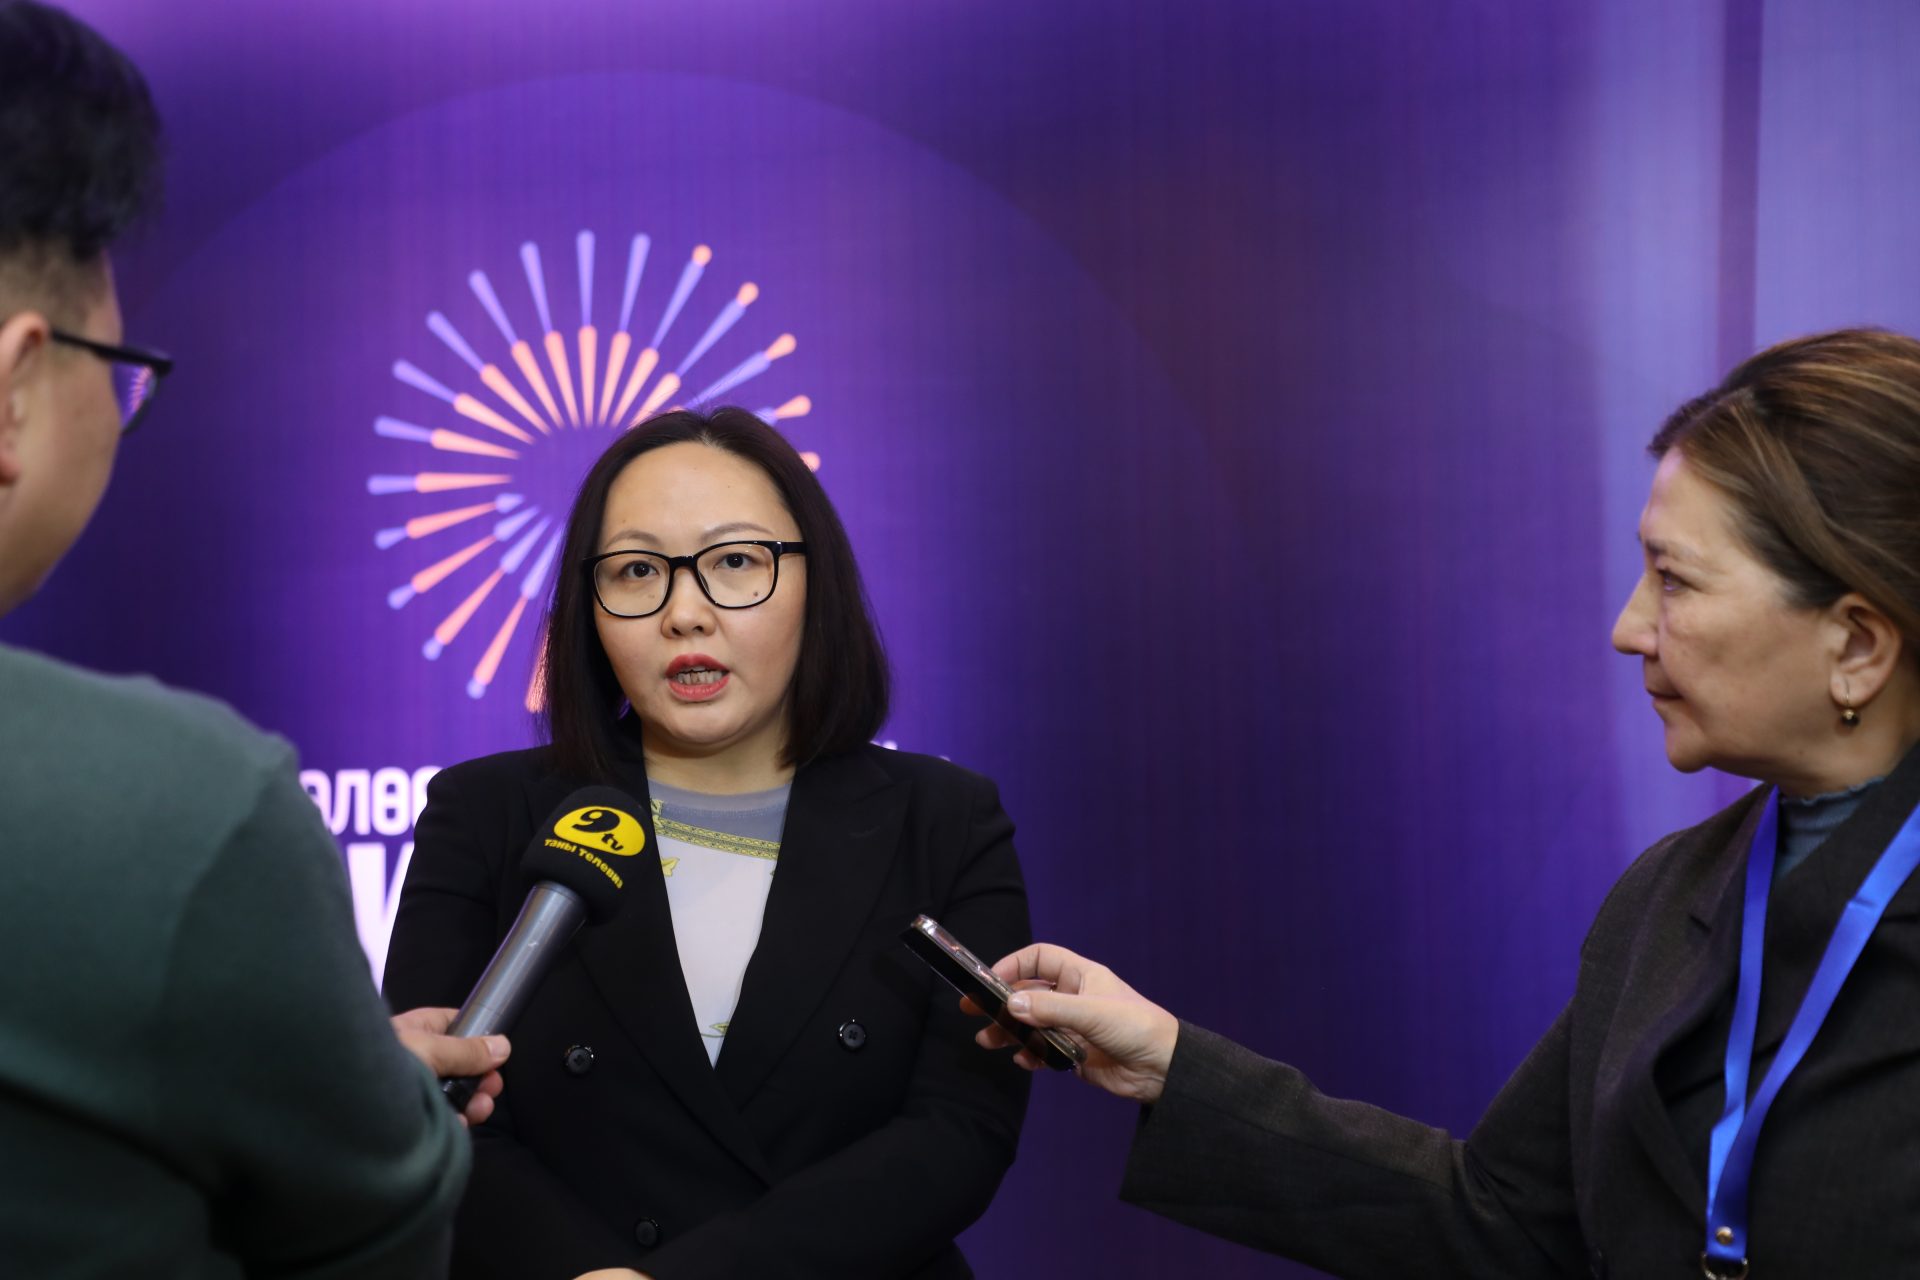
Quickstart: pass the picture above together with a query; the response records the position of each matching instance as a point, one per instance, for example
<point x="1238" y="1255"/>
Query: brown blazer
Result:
<point x="850" y="1127"/>
<point x="1591" y="1161"/>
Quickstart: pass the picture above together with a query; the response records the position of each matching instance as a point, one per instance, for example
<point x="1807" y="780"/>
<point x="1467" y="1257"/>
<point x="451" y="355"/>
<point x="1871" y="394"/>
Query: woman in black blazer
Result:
<point x="1777" y="625"/>
<point x="710" y="642"/>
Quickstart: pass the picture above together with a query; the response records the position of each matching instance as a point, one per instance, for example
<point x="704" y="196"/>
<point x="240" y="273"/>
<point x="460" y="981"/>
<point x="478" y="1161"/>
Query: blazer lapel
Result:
<point x="844" y="818"/>
<point x="633" y="962"/>
<point x="1699" y="965"/>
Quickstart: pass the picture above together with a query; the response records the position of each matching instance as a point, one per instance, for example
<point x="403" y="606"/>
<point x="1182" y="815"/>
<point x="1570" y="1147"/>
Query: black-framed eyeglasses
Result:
<point x="136" y="375"/>
<point x="733" y="575"/>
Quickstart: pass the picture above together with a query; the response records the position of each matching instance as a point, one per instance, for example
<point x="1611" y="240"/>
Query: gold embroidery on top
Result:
<point x="689" y="834"/>
<point x="667" y="865"/>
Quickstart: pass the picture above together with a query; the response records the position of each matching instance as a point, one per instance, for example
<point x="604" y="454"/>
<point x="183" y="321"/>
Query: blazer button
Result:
<point x="852" y="1035"/>
<point x="579" y="1059"/>
<point x="646" y="1233"/>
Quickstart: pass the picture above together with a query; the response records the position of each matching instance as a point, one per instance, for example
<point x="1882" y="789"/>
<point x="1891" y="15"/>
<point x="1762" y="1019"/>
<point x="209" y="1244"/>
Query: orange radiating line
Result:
<point x="467" y="407"/>
<point x="563" y="374"/>
<point x="454" y="442"/>
<point x="616" y="360"/>
<point x="490" y="660"/>
<point x="657" y="397"/>
<point x="589" y="348"/>
<point x="811" y="458"/>
<point x="421" y="526"/>
<point x="440" y="481"/>
<point x="537" y="682"/>
<point x="450" y="627"/>
<point x="497" y="383"/>
<point x="523" y="356"/>
<point x="434" y="574"/>
<point x="642" y="370"/>
<point x="798" y="407"/>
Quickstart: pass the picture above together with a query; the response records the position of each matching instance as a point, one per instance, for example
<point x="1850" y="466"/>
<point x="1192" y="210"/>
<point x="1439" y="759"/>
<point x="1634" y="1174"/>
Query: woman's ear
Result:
<point x="1868" y="650"/>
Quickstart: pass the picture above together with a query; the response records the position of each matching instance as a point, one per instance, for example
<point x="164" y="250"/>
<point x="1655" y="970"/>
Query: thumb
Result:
<point x="452" y="1057"/>
<point x="1088" y="1015"/>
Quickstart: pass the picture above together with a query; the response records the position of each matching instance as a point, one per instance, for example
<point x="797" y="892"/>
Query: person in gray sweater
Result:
<point x="197" y="1078"/>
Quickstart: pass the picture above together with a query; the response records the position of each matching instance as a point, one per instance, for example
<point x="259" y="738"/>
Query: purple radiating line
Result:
<point x="505" y="529"/>
<point x="728" y="317"/>
<point x="394" y="429"/>
<point x="443" y="329"/>
<point x="420" y="380"/>
<point x="507" y="501"/>
<point x="483" y="290"/>
<point x="583" y="249"/>
<point x="537" y="282"/>
<point x="381" y="485"/>
<point x="768" y="415"/>
<point x="753" y="366"/>
<point x="510" y="562"/>
<point x="689" y="277"/>
<point x="537" y="576"/>
<point x="636" y="264"/>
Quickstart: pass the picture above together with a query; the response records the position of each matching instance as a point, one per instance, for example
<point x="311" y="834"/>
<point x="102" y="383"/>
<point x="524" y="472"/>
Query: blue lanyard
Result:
<point x="1730" y="1162"/>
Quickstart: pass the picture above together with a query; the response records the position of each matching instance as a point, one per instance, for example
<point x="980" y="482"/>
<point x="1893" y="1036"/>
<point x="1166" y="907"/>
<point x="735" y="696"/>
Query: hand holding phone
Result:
<point x="966" y="974"/>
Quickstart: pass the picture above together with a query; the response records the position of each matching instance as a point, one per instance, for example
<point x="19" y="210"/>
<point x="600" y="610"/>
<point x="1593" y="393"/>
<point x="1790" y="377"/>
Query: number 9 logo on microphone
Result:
<point x="604" y="829"/>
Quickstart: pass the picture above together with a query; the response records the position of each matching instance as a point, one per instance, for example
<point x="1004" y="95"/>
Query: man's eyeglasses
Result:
<point x="136" y="375"/>
<point x="734" y="575"/>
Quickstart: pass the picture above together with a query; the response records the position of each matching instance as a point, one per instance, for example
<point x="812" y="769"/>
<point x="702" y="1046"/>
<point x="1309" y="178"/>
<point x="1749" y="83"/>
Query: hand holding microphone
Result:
<point x="423" y="1033"/>
<point x="578" y="862"/>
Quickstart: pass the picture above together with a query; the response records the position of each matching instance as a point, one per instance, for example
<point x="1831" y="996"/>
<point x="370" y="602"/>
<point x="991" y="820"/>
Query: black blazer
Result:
<point x="850" y="1126"/>
<point x="1593" y="1159"/>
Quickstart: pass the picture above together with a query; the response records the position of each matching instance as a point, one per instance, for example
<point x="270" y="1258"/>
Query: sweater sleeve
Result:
<point x="324" y="1148"/>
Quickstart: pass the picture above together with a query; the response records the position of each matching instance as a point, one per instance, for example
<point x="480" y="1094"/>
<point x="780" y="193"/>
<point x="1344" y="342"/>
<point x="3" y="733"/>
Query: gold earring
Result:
<point x="1849" y="717"/>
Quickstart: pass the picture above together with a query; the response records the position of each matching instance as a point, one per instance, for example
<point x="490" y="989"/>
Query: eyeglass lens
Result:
<point x="734" y="574"/>
<point x="133" y="387"/>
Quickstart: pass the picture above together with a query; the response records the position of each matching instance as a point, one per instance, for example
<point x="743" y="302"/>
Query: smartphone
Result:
<point x="964" y="972"/>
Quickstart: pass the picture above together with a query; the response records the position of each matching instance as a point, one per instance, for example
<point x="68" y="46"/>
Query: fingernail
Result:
<point x="1018" y="1002"/>
<point x="497" y="1046"/>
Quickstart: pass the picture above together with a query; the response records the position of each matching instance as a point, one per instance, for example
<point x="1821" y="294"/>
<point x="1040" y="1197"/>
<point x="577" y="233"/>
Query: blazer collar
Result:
<point x="1838" y="866"/>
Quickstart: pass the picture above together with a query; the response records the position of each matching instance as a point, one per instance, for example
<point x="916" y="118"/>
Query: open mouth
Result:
<point x="694" y="677"/>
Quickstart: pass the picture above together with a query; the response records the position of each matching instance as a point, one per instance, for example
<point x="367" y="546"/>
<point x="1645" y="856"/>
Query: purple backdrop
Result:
<point x="1238" y="410"/>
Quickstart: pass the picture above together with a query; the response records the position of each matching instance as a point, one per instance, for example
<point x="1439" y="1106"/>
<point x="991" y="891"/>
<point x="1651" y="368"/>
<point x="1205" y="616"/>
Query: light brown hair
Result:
<point x="1817" y="443"/>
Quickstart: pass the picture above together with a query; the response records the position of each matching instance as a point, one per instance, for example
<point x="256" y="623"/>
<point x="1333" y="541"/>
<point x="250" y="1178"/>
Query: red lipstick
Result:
<point x="694" y="677"/>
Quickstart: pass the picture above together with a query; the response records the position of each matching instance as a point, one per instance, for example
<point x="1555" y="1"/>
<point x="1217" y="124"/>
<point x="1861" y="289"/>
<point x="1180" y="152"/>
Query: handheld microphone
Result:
<point x="578" y="861"/>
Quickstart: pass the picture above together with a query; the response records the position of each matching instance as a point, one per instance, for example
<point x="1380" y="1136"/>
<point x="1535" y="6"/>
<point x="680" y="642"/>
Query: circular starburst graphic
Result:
<point x="519" y="447"/>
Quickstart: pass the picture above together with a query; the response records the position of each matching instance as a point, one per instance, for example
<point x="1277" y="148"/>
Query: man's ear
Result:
<point x="24" y="338"/>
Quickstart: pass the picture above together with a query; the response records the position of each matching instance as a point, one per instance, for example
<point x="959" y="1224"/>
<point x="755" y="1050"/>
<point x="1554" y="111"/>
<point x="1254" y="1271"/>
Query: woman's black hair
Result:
<point x="840" y="684"/>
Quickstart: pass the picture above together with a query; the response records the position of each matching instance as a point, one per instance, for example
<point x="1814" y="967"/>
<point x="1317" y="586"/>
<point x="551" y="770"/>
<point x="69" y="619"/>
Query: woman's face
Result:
<point x="704" y="681"/>
<point x="1739" y="677"/>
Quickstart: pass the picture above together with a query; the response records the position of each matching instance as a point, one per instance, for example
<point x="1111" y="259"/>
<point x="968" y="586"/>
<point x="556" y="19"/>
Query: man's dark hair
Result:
<point x="840" y="685"/>
<point x="79" y="148"/>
